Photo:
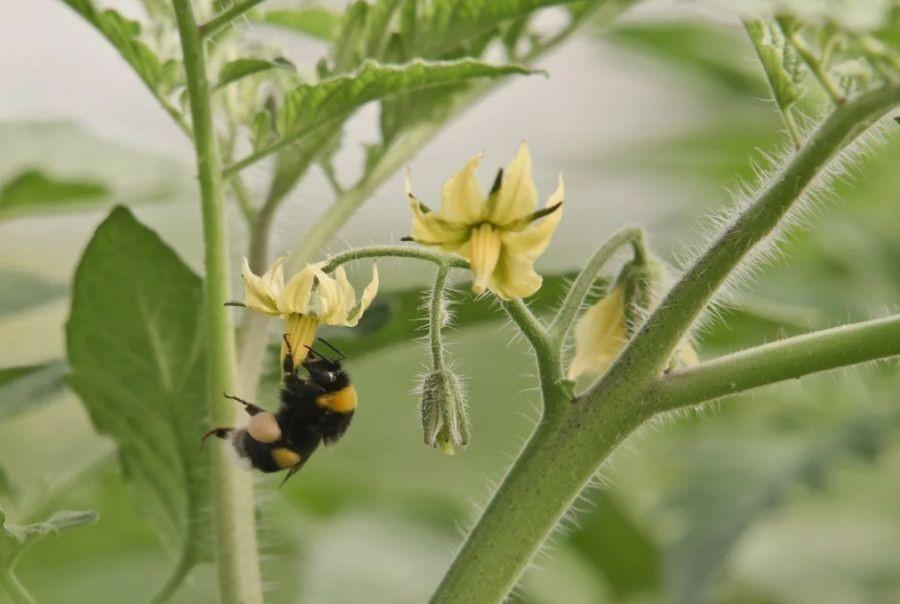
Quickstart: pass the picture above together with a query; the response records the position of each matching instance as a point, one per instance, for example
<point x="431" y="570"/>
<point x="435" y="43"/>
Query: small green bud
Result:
<point x="445" y="420"/>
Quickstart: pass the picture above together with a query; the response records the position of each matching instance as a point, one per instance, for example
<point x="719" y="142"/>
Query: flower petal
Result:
<point x="274" y="277"/>
<point x="462" y="201"/>
<point x="485" y="247"/>
<point x="517" y="196"/>
<point x="429" y="229"/>
<point x="600" y="335"/>
<point x="514" y="276"/>
<point x="258" y="294"/>
<point x="534" y="239"/>
<point x="367" y="296"/>
<point x="325" y="299"/>
<point x="301" y="332"/>
<point x="298" y="291"/>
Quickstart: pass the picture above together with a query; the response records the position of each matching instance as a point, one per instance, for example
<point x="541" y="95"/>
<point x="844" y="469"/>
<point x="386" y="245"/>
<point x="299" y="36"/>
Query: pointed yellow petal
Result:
<point x="429" y="229"/>
<point x="298" y="292"/>
<point x="274" y="277"/>
<point x="514" y="277"/>
<point x="484" y="249"/>
<point x="258" y="294"/>
<point x="534" y="239"/>
<point x="462" y="201"/>
<point x="367" y="296"/>
<point x="600" y="335"/>
<point x="517" y="196"/>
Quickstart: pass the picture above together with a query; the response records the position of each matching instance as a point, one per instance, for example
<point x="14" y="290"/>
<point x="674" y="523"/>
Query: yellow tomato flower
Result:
<point x="310" y="298"/>
<point x="602" y="332"/>
<point x="501" y="235"/>
<point x="600" y="335"/>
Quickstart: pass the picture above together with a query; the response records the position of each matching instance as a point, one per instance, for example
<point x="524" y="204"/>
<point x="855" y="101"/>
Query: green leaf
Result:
<point x="26" y="387"/>
<point x="62" y="167"/>
<point x="314" y="113"/>
<point x="136" y="348"/>
<point x="315" y="21"/>
<point x="20" y="291"/>
<point x="242" y="68"/>
<point x="33" y="188"/>
<point x="124" y="34"/>
<point x="779" y="61"/>
<point x="315" y="106"/>
<point x="16" y="538"/>
<point x="733" y="484"/>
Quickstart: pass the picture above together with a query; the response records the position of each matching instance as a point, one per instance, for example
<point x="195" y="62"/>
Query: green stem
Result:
<point x="436" y="317"/>
<point x="580" y="288"/>
<point x="236" y="550"/>
<point x="212" y="26"/>
<point x="396" y="251"/>
<point x="649" y="351"/>
<point x="791" y="358"/>
<point x="10" y="585"/>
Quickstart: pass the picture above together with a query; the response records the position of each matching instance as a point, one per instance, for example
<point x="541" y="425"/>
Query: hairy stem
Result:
<point x="396" y="251"/>
<point x="436" y="317"/>
<point x="648" y="353"/>
<point x="791" y="358"/>
<point x="236" y="550"/>
<point x="567" y="450"/>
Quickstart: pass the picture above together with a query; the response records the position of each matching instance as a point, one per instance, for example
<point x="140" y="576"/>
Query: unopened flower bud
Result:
<point x="445" y="420"/>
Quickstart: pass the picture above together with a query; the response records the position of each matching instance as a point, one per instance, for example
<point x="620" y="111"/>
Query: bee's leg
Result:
<point x="222" y="433"/>
<point x="288" y="363"/>
<point x="248" y="406"/>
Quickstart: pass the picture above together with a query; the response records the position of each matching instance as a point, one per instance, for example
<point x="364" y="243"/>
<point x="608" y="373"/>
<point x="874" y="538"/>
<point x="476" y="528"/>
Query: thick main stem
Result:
<point x="236" y="550"/>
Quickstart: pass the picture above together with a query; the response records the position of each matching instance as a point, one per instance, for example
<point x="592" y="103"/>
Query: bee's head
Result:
<point x="324" y="372"/>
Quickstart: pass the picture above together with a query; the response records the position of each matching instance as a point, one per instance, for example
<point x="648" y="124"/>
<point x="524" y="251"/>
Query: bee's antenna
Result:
<point x="334" y="348"/>
<point x="316" y="352"/>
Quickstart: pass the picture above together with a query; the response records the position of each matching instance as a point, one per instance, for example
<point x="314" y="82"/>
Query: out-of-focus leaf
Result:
<point x="136" y="347"/>
<point x="124" y="34"/>
<point x="779" y="61"/>
<point x="35" y="188"/>
<point x="61" y="167"/>
<point x="724" y="496"/>
<point x="718" y="55"/>
<point x="315" y="21"/>
<point x="16" y="538"/>
<point x="21" y="291"/>
<point x="616" y="546"/>
<point x="242" y="68"/>
<point x="26" y="387"/>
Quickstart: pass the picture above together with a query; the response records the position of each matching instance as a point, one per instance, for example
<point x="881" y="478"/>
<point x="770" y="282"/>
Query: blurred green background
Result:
<point x="784" y="495"/>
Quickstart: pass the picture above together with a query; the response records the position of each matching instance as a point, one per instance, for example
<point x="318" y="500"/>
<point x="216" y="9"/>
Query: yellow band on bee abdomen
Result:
<point x="285" y="458"/>
<point x="342" y="401"/>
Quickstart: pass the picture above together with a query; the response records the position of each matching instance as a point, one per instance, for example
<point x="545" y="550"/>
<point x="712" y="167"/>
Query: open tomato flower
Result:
<point x="308" y="299"/>
<point x="501" y="234"/>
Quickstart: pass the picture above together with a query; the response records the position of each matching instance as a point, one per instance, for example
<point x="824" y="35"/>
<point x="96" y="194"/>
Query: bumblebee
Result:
<point x="313" y="410"/>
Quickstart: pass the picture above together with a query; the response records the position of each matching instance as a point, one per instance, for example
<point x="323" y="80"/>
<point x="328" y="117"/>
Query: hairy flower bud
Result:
<point x="445" y="419"/>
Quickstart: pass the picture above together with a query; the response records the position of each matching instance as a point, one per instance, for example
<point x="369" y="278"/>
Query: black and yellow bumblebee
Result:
<point x="313" y="410"/>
